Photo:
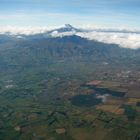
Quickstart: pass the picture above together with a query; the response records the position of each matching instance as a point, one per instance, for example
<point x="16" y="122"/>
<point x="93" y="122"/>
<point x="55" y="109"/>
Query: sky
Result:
<point x="110" y="13"/>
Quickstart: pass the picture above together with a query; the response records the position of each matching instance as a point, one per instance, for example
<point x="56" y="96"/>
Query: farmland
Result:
<point x="63" y="94"/>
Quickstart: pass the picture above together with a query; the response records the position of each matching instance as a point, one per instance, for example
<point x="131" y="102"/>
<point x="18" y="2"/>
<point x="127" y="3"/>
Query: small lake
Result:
<point x="99" y="96"/>
<point x="85" y="100"/>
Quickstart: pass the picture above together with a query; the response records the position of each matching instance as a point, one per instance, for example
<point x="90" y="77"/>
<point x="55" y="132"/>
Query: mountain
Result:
<point x="44" y="48"/>
<point x="124" y="38"/>
<point x="65" y="28"/>
<point x="41" y="51"/>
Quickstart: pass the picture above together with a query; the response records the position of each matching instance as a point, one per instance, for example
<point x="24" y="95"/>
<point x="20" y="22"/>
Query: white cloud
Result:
<point x="15" y="30"/>
<point x="126" y="40"/>
<point x="56" y="34"/>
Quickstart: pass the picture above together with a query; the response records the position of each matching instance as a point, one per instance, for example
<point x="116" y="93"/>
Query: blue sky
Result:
<point x="76" y="12"/>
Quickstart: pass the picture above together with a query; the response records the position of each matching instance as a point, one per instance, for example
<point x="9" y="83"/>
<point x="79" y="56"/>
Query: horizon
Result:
<point x="108" y="21"/>
<point x="85" y="27"/>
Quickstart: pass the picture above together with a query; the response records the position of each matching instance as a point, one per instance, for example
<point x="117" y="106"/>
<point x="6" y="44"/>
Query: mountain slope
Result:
<point x="36" y="51"/>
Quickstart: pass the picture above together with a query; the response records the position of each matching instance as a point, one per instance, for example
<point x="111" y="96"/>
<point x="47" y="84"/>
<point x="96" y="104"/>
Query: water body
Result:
<point x="85" y="100"/>
<point x="99" y="96"/>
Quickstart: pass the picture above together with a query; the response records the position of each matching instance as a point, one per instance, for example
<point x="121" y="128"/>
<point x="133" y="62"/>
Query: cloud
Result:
<point x="27" y="30"/>
<point x="125" y="40"/>
<point x="56" y="34"/>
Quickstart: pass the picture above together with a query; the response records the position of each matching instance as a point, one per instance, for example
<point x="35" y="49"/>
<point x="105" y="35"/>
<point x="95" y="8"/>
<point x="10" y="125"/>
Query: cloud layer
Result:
<point x="127" y="38"/>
